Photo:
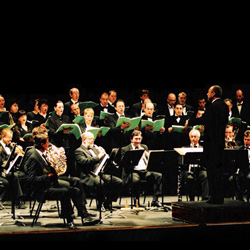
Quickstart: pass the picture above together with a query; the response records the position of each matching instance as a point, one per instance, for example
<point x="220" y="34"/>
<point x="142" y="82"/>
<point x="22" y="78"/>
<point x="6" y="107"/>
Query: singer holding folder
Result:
<point x="140" y="171"/>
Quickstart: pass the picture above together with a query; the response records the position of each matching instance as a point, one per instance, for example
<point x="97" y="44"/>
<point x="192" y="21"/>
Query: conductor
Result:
<point x="215" y="120"/>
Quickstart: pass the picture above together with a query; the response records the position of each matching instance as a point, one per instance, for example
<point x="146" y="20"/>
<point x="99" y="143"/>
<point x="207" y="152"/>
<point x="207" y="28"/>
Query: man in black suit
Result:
<point x="140" y="171"/>
<point x="176" y="139"/>
<point x="193" y="172"/>
<point x="103" y="106"/>
<point x="241" y="107"/>
<point x="182" y="98"/>
<point x="74" y="94"/>
<point x="152" y="139"/>
<point x="167" y="108"/>
<point x="88" y="157"/>
<point x="241" y="181"/>
<point x="118" y="137"/>
<point x="43" y="178"/>
<point x="215" y="120"/>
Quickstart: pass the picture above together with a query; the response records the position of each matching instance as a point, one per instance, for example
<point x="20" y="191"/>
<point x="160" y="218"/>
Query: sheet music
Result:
<point x="12" y="164"/>
<point x="184" y="151"/>
<point x="106" y="157"/>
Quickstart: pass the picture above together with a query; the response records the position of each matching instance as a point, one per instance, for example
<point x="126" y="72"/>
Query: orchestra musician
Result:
<point x="88" y="157"/>
<point x="140" y="171"/>
<point x="193" y="172"/>
<point x="5" y="151"/>
<point x="242" y="180"/>
<point x="44" y="178"/>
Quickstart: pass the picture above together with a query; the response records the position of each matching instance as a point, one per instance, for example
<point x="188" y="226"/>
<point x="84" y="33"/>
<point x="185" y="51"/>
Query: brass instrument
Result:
<point x="57" y="159"/>
<point x="231" y="142"/>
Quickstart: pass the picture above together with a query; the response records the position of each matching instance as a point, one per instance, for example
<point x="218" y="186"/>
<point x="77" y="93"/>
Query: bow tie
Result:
<point x="239" y="104"/>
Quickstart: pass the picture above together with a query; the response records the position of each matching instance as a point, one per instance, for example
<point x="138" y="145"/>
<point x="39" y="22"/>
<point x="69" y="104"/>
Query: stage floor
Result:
<point x="145" y="225"/>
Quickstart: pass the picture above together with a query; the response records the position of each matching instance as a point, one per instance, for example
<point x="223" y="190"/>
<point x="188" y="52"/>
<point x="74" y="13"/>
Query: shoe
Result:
<point x="20" y="205"/>
<point x="102" y="208"/>
<point x="87" y="214"/>
<point x="71" y="225"/>
<point x="156" y="204"/>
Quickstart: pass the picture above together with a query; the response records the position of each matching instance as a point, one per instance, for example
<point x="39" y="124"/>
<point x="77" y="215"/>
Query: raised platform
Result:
<point x="202" y="212"/>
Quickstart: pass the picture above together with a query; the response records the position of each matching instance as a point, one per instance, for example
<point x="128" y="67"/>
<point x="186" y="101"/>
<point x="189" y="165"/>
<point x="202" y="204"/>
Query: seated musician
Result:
<point x="193" y="172"/>
<point x="140" y="171"/>
<point x="241" y="181"/>
<point x="88" y="157"/>
<point x="44" y="178"/>
<point x="5" y="152"/>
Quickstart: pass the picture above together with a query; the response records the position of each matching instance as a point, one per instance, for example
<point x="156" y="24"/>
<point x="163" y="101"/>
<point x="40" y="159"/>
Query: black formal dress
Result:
<point x="59" y="139"/>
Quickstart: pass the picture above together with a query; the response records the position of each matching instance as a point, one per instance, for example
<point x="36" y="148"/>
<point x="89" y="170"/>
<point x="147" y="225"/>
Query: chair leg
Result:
<point x="39" y="208"/>
<point x="32" y="208"/>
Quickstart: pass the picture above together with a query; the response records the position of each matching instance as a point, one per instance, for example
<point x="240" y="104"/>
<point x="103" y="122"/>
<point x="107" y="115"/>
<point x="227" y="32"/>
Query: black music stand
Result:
<point x="159" y="160"/>
<point x="129" y="161"/>
<point x="109" y="165"/>
<point x="234" y="162"/>
<point x="10" y="167"/>
<point x="188" y="156"/>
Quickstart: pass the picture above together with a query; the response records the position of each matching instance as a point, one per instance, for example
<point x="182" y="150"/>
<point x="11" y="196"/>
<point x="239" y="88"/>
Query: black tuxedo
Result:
<point x="18" y="193"/>
<point x="117" y="138"/>
<point x="215" y="120"/>
<point x="100" y="108"/>
<point x="175" y="139"/>
<point x="86" y="165"/>
<point x="152" y="139"/>
<point x="244" y="115"/>
<point x="154" y="179"/>
<point x="188" y="180"/>
<point x="38" y="169"/>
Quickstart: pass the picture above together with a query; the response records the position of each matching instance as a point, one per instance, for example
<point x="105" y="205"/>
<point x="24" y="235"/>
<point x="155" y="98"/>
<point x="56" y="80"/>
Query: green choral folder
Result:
<point x="134" y="122"/>
<point x="76" y="131"/>
<point x="95" y="131"/>
<point x="156" y="124"/>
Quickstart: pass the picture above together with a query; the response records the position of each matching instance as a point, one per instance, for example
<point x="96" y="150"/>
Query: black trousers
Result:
<point x="64" y="192"/>
<point x="154" y="180"/>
